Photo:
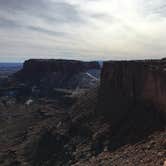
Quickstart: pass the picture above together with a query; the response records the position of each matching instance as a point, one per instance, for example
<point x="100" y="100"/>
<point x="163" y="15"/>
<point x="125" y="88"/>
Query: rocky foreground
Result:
<point x="49" y="119"/>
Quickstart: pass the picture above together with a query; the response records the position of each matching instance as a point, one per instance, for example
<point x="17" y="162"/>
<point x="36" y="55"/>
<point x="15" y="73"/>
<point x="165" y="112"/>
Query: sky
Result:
<point x="82" y="29"/>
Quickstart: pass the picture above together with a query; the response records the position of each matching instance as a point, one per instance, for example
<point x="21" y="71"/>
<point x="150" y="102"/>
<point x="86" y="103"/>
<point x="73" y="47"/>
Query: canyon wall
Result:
<point x="58" y="73"/>
<point x="38" y="67"/>
<point x="133" y="89"/>
<point x="52" y="65"/>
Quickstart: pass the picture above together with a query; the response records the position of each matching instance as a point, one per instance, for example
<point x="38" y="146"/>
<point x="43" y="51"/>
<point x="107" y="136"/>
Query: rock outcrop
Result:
<point x="133" y="93"/>
<point x="57" y="73"/>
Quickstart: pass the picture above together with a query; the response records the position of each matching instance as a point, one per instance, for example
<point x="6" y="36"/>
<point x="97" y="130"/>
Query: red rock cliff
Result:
<point x="133" y="90"/>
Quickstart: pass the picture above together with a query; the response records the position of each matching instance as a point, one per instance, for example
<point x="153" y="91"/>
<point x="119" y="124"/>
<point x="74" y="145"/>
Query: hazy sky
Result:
<point x="82" y="29"/>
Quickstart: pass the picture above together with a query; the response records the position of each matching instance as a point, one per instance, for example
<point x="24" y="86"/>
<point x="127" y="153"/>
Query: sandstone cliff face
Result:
<point x="55" y="73"/>
<point x="133" y="90"/>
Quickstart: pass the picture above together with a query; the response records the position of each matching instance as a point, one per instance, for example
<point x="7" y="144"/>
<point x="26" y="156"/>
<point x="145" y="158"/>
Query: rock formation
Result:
<point x="133" y="91"/>
<point x="119" y="122"/>
<point x="56" y="73"/>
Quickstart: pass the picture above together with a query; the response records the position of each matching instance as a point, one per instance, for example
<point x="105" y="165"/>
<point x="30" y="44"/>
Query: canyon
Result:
<point x="79" y="113"/>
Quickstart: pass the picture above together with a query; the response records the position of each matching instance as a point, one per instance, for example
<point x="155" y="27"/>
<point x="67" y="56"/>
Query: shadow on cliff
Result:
<point x="139" y="122"/>
<point x="132" y="100"/>
<point x="106" y="130"/>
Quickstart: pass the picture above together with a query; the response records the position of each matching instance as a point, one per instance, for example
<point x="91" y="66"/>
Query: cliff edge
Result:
<point x="133" y="93"/>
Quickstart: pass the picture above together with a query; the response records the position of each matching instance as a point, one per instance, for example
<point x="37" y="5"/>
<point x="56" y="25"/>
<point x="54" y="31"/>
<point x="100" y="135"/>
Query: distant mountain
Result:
<point x="7" y="69"/>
